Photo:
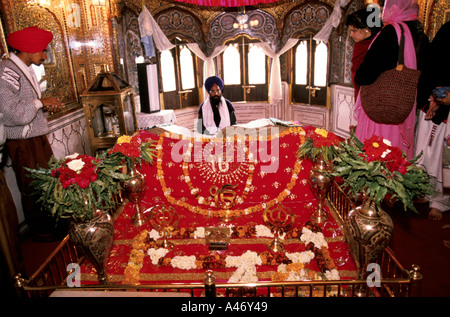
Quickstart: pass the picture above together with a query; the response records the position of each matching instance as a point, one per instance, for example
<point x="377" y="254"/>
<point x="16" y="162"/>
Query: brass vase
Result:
<point x="134" y="189"/>
<point x="320" y="181"/>
<point x="94" y="238"/>
<point x="368" y="230"/>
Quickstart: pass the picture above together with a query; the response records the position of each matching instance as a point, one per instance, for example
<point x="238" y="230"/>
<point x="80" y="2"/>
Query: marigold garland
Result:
<point x="143" y="242"/>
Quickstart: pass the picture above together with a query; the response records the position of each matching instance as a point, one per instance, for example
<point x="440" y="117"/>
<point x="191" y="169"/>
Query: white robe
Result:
<point x="429" y="140"/>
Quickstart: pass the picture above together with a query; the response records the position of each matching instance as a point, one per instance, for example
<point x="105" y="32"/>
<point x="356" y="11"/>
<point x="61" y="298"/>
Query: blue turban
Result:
<point x="210" y="81"/>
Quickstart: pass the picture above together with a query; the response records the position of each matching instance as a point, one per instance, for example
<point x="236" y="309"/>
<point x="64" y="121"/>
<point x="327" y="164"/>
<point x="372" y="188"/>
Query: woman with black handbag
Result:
<point x="362" y="35"/>
<point x="383" y="98"/>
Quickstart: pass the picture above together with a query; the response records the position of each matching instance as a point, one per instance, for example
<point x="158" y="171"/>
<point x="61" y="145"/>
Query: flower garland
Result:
<point x="232" y="212"/>
<point x="290" y="265"/>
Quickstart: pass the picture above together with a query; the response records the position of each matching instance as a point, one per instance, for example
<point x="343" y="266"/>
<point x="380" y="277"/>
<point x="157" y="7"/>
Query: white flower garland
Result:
<point x="246" y="263"/>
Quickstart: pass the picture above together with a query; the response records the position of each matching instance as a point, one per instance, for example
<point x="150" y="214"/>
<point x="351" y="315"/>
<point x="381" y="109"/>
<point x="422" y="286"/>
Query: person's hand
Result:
<point x="434" y="106"/>
<point x="52" y="104"/>
<point x="445" y="101"/>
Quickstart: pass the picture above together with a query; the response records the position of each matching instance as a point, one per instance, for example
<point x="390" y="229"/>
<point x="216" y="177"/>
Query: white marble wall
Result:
<point x="342" y="102"/>
<point x="69" y="135"/>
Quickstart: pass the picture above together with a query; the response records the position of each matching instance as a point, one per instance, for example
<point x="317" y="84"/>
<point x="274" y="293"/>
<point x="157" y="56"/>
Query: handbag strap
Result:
<point x="401" y="49"/>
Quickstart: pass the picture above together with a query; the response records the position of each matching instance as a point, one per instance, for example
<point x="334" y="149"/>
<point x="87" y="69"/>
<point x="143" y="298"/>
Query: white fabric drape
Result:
<point x="275" y="92"/>
<point x="332" y="21"/>
<point x="150" y="28"/>
<point x="209" y="69"/>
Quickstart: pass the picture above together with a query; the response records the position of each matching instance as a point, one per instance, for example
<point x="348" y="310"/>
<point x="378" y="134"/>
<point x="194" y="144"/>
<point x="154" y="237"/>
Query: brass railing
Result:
<point x="395" y="280"/>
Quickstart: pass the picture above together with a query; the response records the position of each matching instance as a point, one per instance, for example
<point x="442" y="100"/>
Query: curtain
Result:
<point x="209" y="69"/>
<point x="151" y="32"/>
<point x="332" y="21"/>
<point x="226" y="3"/>
<point x="275" y="92"/>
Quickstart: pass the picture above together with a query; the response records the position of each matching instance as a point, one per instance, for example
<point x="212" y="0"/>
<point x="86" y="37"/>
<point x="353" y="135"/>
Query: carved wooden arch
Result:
<point x="175" y="21"/>
<point x="304" y="19"/>
<point x="221" y="29"/>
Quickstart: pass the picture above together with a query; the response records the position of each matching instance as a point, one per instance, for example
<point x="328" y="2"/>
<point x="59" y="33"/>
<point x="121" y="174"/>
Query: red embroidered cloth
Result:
<point x="259" y="166"/>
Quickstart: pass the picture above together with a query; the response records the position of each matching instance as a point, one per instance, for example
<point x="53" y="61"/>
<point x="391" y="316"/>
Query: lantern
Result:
<point x="109" y="109"/>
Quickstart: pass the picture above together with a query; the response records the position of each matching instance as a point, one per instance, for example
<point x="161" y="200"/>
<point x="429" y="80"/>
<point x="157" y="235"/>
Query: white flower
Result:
<point x="75" y="165"/>
<point x="153" y="234"/>
<point x="184" y="262"/>
<point x="332" y="275"/>
<point x="316" y="238"/>
<point x="156" y="254"/>
<point x="282" y="268"/>
<point x="199" y="233"/>
<point x="248" y="258"/>
<point x="387" y="142"/>
<point x="300" y="257"/>
<point x="385" y="153"/>
<point x="244" y="274"/>
<point x="263" y="231"/>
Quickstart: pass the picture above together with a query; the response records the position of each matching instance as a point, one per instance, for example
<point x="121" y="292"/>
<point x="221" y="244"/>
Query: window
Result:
<point x="187" y="69"/>
<point x="232" y="58"/>
<point x="310" y="72"/>
<point x="168" y="71"/>
<point x="256" y="69"/>
<point x="245" y="70"/>
<point x="178" y="76"/>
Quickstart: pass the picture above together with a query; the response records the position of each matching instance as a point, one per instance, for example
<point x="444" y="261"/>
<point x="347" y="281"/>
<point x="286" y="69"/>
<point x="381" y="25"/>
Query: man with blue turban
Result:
<point x="216" y="112"/>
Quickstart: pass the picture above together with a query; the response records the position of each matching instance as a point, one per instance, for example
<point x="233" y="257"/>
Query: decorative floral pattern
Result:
<point x="290" y="264"/>
<point x="204" y="208"/>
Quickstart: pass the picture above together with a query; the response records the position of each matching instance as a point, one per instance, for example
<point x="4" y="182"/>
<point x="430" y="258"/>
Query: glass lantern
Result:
<point x="109" y="109"/>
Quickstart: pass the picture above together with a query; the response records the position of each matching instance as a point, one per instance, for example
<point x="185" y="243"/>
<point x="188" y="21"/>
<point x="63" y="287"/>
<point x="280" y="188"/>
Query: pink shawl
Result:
<point x="396" y="11"/>
<point x="402" y="135"/>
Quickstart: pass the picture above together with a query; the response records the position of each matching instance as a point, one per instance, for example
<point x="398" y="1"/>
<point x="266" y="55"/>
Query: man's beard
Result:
<point x="215" y="100"/>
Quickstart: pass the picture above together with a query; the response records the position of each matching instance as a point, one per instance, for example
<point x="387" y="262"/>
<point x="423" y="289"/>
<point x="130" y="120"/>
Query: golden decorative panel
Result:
<point x="57" y="77"/>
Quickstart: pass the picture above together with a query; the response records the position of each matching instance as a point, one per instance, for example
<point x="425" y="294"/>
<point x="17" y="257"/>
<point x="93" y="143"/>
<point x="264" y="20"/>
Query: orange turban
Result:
<point x="30" y="40"/>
